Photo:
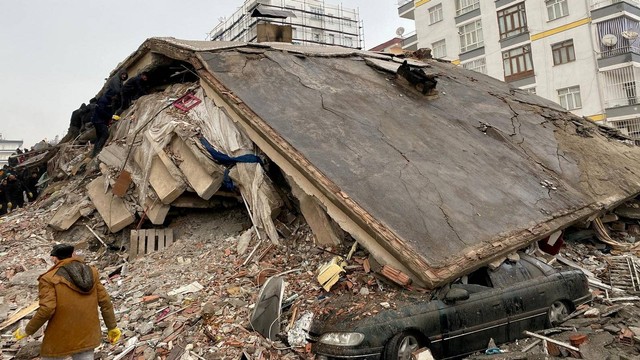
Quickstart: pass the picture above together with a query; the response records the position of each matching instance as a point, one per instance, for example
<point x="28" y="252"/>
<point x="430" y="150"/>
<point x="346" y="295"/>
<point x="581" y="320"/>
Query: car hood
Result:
<point x="352" y="312"/>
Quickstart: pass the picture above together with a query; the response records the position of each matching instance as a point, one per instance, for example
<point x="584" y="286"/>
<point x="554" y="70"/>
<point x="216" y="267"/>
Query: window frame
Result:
<point x="508" y="17"/>
<point x="317" y="12"/>
<point x="479" y="38"/>
<point x="477" y="65"/>
<point x="570" y="93"/>
<point x="466" y="6"/>
<point x="518" y="59"/>
<point x="566" y="48"/>
<point x="433" y="48"/>
<point x="560" y="9"/>
<point x="435" y="12"/>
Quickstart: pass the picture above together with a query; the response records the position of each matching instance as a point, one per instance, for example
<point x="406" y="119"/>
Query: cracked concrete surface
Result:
<point x="421" y="167"/>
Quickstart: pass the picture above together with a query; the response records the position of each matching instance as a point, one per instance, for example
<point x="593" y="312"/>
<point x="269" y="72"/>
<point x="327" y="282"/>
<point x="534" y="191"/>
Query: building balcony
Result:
<point x="410" y="41"/>
<point x="406" y="9"/>
<point x="597" y="4"/>
<point x="621" y="92"/>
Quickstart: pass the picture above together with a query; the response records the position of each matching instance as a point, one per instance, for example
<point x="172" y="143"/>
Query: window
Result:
<point x="348" y="41"/>
<point x="531" y="90"/>
<point x="331" y="39"/>
<point x="563" y="52"/>
<point x="478" y="65"/>
<point x="570" y="98"/>
<point x="439" y="49"/>
<point x="517" y="63"/>
<point x="435" y="14"/>
<point x="470" y="36"/>
<point x="316" y="12"/>
<point x="315" y="36"/>
<point x="630" y="90"/>
<point x="465" y="6"/>
<point x="512" y="21"/>
<point x="557" y="9"/>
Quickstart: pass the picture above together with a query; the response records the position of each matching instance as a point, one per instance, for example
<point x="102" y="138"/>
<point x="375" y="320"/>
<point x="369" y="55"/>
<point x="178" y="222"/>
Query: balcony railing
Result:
<point x="597" y="4"/>
<point x="621" y="86"/>
<point x="401" y="3"/>
<point x="619" y="51"/>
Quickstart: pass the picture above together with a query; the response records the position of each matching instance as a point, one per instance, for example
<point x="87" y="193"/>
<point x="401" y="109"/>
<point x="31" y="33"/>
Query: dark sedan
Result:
<point x="456" y="320"/>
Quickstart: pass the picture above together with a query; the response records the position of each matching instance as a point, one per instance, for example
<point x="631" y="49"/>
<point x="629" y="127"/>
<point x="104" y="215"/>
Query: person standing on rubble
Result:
<point x="134" y="88"/>
<point x="114" y="88"/>
<point x="14" y="189"/>
<point x="4" y="200"/>
<point x="70" y="294"/>
<point x="75" y="124"/>
<point x="100" y="120"/>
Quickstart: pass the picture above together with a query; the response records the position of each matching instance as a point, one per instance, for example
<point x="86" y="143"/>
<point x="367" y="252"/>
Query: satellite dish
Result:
<point x="400" y="31"/>
<point x="629" y="35"/>
<point x="609" y="40"/>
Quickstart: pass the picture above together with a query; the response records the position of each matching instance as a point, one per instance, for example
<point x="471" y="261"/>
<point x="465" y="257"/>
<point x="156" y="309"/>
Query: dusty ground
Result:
<point x="213" y="323"/>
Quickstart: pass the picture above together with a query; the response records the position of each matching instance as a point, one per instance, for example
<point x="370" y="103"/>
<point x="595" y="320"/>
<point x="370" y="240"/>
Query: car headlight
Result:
<point x="342" y="338"/>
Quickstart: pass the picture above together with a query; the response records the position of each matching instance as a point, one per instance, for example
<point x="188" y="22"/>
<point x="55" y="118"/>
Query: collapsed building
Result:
<point x="432" y="186"/>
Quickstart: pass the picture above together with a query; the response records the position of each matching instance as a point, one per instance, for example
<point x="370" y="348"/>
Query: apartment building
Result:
<point x="582" y="54"/>
<point x="312" y="22"/>
<point x="7" y="147"/>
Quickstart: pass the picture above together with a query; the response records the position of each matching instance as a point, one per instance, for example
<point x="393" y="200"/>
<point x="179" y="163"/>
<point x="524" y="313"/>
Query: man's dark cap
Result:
<point x="62" y="251"/>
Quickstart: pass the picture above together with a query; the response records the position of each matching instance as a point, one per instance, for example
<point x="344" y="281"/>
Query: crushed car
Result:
<point x="457" y="319"/>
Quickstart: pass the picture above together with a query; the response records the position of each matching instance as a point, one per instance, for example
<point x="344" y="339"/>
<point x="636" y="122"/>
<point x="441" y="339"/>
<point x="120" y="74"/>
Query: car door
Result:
<point x="471" y="323"/>
<point x="524" y="296"/>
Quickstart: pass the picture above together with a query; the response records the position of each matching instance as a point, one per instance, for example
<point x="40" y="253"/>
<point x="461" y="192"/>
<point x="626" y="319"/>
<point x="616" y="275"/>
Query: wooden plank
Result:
<point x="168" y="238"/>
<point x="151" y="241"/>
<point x="133" y="245"/>
<point x="142" y="236"/>
<point x="160" y="233"/>
<point x="19" y="315"/>
<point x="122" y="184"/>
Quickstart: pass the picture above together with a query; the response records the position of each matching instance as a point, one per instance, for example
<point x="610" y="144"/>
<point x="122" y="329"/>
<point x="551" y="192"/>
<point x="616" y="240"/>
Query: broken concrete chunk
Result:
<point x="167" y="186"/>
<point x="317" y="218"/>
<point x="113" y="210"/>
<point x="204" y="183"/>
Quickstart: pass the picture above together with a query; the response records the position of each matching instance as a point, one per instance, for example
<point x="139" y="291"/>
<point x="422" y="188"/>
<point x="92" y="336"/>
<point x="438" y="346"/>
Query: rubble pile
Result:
<point x="210" y="249"/>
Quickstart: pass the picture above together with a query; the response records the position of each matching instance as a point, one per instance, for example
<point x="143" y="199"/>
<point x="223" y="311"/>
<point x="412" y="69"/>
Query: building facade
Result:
<point x="7" y="147"/>
<point x="312" y="22"/>
<point x="583" y="55"/>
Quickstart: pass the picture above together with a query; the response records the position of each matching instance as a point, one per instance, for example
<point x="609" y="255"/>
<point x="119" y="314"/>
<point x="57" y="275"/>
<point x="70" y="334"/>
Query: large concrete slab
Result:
<point x="440" y="185"/>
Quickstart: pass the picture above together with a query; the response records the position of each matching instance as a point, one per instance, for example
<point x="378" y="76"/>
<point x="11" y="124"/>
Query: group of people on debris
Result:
<point x="16" y="188"/>
<point x="119" y="93"/>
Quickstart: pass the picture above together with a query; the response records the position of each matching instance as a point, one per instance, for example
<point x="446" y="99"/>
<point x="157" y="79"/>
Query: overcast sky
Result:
<point x="55" y="54"/>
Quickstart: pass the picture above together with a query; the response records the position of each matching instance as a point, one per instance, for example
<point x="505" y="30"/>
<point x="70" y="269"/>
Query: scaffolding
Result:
<point x="315" y="22"/>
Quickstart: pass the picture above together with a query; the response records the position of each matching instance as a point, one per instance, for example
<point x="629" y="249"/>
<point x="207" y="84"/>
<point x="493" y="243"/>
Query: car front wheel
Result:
<point x="558" y="311"/>
<point x="401" y="346"/>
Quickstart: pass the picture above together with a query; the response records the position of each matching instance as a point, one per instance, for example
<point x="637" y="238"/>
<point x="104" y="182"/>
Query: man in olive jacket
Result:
<point x="70" y="294"/>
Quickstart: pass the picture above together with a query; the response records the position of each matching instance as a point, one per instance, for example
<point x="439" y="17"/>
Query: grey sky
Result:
<point x="55" y="54"/>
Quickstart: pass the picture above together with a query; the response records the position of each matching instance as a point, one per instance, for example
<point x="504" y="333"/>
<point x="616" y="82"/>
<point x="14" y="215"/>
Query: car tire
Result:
<point x="401" y="346"/>
<point x="558" y="311"/>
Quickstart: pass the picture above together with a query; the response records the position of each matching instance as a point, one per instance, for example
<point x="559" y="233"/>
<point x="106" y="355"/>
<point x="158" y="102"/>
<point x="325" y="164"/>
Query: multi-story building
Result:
<point x="584" y="55"/>
<point x="312" y="22"/>
<point x="7" y="147"/>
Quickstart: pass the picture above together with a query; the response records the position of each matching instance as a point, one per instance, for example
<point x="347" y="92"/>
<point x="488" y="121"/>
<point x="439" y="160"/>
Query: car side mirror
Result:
<point x="456" y="294"/>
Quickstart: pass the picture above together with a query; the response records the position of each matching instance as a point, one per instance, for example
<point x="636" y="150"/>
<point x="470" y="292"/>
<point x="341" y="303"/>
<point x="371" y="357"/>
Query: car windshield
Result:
<point x="511" y="273"/>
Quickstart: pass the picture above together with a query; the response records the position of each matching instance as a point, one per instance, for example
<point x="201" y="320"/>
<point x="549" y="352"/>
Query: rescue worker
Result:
<point x="134" y="88"/>
<point x="75" y="123"/>
<point x="14" y="189"/>
<point x="70" y="294"/>
<point x="32" y="184"/>
<point x="100" y="120"/>
<point x="4" y="200"/>
<point x="114" y="88"/>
